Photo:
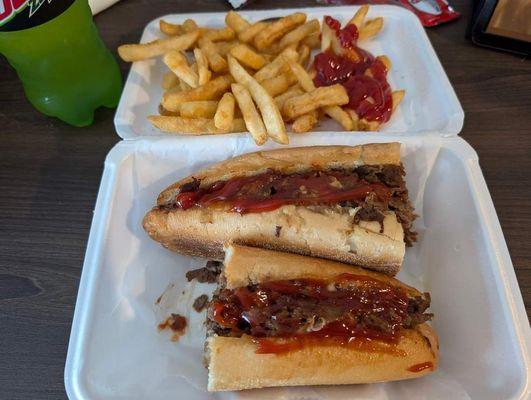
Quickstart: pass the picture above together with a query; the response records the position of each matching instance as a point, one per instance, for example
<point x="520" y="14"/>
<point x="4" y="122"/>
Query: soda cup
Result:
<point x="66" y="70"/>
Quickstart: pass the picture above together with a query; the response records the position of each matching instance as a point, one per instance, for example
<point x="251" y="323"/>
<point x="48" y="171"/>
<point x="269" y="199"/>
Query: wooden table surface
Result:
<point x="50" y="172"/>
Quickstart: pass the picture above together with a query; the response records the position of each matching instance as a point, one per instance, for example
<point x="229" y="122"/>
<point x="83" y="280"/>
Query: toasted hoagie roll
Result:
<point x="280" y="319"/>
<point x="343" y="203"/>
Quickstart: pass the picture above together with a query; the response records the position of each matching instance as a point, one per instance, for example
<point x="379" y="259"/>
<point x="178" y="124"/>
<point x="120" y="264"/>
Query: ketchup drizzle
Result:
<point x="363" y="76"/>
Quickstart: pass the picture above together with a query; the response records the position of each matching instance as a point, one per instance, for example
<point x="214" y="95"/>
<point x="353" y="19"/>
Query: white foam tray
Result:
<point x="115" y="351"/>
<point x="430" y="104"/>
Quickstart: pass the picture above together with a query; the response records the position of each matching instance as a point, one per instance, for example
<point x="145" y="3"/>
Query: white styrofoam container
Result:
<point x="430" y="104"/>
<point x="461" y="258"/>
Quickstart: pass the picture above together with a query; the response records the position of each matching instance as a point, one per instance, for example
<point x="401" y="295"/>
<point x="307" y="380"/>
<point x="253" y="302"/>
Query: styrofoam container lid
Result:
<point x="115" y="351"/>
<point x="430" y="104"/>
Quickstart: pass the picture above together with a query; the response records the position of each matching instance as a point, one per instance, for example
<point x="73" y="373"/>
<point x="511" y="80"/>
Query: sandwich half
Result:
<point x="280" y="319"/>
<point x="345" y="203"/>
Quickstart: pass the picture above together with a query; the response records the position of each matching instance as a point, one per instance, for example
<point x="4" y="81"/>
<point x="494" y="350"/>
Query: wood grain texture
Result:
<point x="50" y="172"/>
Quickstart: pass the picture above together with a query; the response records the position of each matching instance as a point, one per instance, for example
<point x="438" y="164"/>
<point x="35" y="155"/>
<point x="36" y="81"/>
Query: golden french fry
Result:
<point x="192" y="126"/>
<point x="302" y="76"/>
<point x="250" y="32"/>
<point x="142" y="51"/>
<point x="279" y="84"/>
<point x="169" y="80"/>
<point x="236" y="22"/>
<point x="224" y="112"/>
<point x="334" y="95"/>
<point x="299" y="33"/>
<point x="370" y="126"/>
<point x="397" y="97"/>
<point x="199" y="109"/>
<point x="163" y="111"/>
<point x="201" y="61"/>
<point x="247" y="56"/>
<point x="327" y="34"/>
<point x="274" y="67"/>
<point x="253" y="120"/>
<point x="370" y="28"/>
<point x="312" y="41"/>
<point x="291" y="92"/>
<point x="304" y="55"/>
<point x="217" y="35"/>
<point x="216" y="62"/>
<point x="358" y="18"/>
<point x="305" y="122"/>
<point x="385" y="61"/>
<point x="341" y="116"/>
<point x="212" y="90"/>
<point x="270" y="113"/>
<point x="183" y="85"/>
<point x="354" y="117"/>
<point x="178" y="64"/>
<point x="277" y="29"/>
<point x="224" y="48"/>
<point x="189" y="25"/>
<point x="170" y="29"/>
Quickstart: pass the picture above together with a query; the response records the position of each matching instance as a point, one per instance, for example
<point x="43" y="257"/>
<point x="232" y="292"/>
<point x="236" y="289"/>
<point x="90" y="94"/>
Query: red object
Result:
<point x="271" y="190"/>
<point x="363" y="75"/>
<point x="421" y="367"/>
<point x="440" y="11"/>
<point x="255" y="307"/>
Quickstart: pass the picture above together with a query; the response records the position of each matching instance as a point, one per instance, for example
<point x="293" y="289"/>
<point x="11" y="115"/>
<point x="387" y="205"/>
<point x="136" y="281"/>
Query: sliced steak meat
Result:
<point x="208" y="274"/>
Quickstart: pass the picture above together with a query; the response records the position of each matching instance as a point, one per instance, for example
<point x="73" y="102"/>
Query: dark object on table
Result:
<point x="502" y="25"/>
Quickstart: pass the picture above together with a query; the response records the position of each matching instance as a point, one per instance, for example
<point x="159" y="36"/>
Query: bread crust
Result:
<point x="327" y="234"/>
<point x="235" y="365"/>
<point x="290" y="160"/>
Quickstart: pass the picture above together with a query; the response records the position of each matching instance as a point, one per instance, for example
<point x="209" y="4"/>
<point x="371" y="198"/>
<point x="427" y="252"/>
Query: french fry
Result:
<point x="178" y="64"/>
<point x="327" y="34"/>
<point x="370" y="28"/>
<point x="212" y="90"/>
<point x="341" y="116"/>
<point x="247" y="56"/>
<point x="304" y="55"/>
<point x="250" y="32"/>
<point x="274" y="67"/>
<point x="364" y="125"/>
<point x="253" y="120"/>
<point x="169" y="80"/>
<point x="218" y="35"/>
<point x="216" y="62"/>
<point x="358" y="18"/>
<point x="271" y="115"/>
<point x="236" y="22"/>
<point x="142" y="51"/>
<point x="299" y="33"/>
<point x="279" y="84"/>
<point x="224" y="115"/>
<point x="334" y="112"/>
<point x="201" y="61"/>
<point x="354" y="117"/>
<point x="199" y="109"/>
<point x="312" y="41"/>
<point x="291" y="92"/>
<point x="305" y="122"/>
<point x="333" y="95"/>
<point x="163" y="111"/>
<point x="385" y="61"/>
<point x="192" y="126"/>
<point x="170" y="29"/>
<point x="224" y="48"/>
<point x="189" y="25"/>
<point x="397" y="97"/>
<point x="277" y="29"/>
<point x="183" y="85"/>
<point x="302" y="76"/>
